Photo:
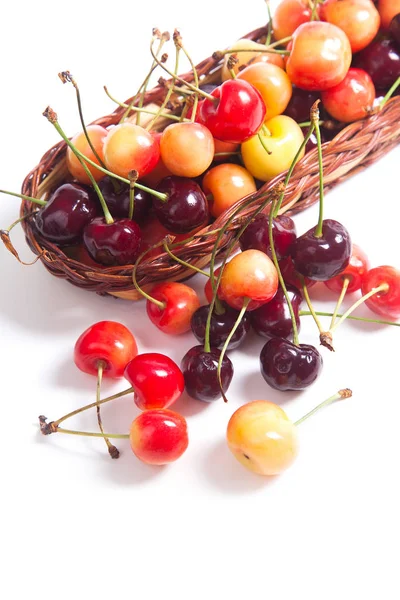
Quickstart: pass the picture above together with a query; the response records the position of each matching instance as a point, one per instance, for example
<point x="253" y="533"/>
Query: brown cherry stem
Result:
<point x="305" y="313"/>
<point x="339" y="302"/>
<point x="341" y="395"/>
<point x="133" y="176"/>
<point x="112" y="450"/>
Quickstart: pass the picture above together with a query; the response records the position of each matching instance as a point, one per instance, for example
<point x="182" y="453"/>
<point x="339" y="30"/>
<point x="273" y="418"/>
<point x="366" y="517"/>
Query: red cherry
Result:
<point x="157" y="380"/>
<point x="238" y="113"/>
<point x="208" y="291"/>
<point x="159" y="437"/>
<point x="352" y="99"/>
<point x="387" y="302"/>
<point x="355" y="271"/>
<point x="180" y="302"/>
<point x="108" y="342"/>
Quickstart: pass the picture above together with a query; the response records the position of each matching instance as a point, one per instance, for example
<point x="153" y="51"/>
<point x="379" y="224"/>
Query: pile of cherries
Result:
<point x="257" y="123"/>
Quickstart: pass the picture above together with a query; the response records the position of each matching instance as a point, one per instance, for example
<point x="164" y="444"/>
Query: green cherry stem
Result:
<point x="315" y="122"/>
<point x="170" y="89"/>
<point x="311" y="308"/>
<point x="178" y="40"/>
<point x="341" y="395"/>
<point x="183" y="262"/>
<point x="271" y="49"/>
<point x="28" y="198"/>
<point x="115" y="436"/>
<point x="390" y="92"/>
<point x="382" y="288"/>
<point x="306" y="313"/>
<point x="269" y="25"/>
<point x="133" y="175"/>
<point x="112" y="450"/>
<point x="141" y="110"/>
<point x="161" y="305"/>
<point x="339" y="302"/>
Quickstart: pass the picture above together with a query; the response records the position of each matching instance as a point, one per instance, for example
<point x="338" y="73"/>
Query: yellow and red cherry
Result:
<point x="245" y="58"/>
<point x="262" y="438"/>
<point x="273" y="84"/>
<point x="226" y="184"/>
<point x="288" y="16"/>
<point x="106" y="342"/>
<point x="387" y="301"/>
<point x="359" y="19"/>
<point x="249" y="274"/>
<point x="160" y="171"/>
<point x="111" y="244"/>
<point x="270" y="58"/>
<point x="157" y="380"/>
<point x="352" y="99"/>
<point x="256" y="235"/>
<point x="186" y="207"/>
<point x="283" y="140"/>
<point x="179" y="303"/>
<point x="200" y="370"/>
<point x="97" y="135"/>
<point x="320" y="56"/>
<point x="187" y="149"/>
<point x="237" y="113"/>
<point x="159" y="436"/>
<point x="129" y="147"/>
<point x="354" y="272"/>
<point x="388" y="9"/>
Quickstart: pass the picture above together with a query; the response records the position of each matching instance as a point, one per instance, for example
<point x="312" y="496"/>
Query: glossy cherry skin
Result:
<point x="108" y="342"/>
<point x="226" y="184"/>
<point x="97" y="135"/>
<point x="220" y="327"/>
<point x="70" y="208"/>
<point x="256" y="235"/>
<point x="130" y="147"/>
<point x="320" y="56"/>
<point x="156" y="379"/>
<point x="387" y="10"/>
<point x="291" y="276"/>
<point x="237" y="114"/>
<point x="273" y="318"/>
<point x="395" y="29"/>
<point x="187" y="149"/>
<point x="385" y="303"/>
<point x="359" y="19"/>
<point x="159" y="437"/>
<point x="300" y="104"/>
<point x="381" y="59"/>
<point x="208" y="291"/>
<point x="285" y="366"/>
<point x="354" y="272"/>
<point x="352" y="99"/>
<point x="116" y="195"/>
<point x="288" y="16"/>
<point x="200" y="372"/>
<point x="273" y="84"/>
<point x="180" y="301"/>
<point x="113" y="244"/>
<point x="186" y="207"/>
<point x="324" y="257"/>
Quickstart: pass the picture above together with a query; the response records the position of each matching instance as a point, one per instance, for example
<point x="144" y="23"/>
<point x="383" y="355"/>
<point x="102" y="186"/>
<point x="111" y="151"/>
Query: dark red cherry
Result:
<point x="291" y="276"/>
<point x="70" y="208"/>
<point x="200" y="372"/>
<point x="116" y="195"/>
<point x="285" y="366"/>
<point x="256" y="235"/>
<point x="186" y="207"/>
<point x="237" y="114"/>
<point x="321" y="258"/>
<point x="273" y="318"/>
<point x="381" y="60"/>
<point x="111" y="244"/>
<point x="220" y="326"/>
<point x="300" y="104"/>
<point x="394" y="30"/>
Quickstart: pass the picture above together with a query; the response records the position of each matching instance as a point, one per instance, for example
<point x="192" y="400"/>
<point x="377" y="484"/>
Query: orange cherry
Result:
<point x="288" y="16"/>
<point x="97" y="135"/>
<point x="387" y="10"/>
<point x="244" y="58"/>
<point x="273" y="84"/>
<point x="187" y="149"/>
<point x="227" y="183"/>
<point x="129" y="147"/>
<point x="359" y="19"/>
<point x="223" y="147"/>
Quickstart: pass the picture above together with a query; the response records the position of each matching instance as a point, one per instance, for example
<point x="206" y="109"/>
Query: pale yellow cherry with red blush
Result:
<point x="97" y="135"/>
<point x="226" y="184"/>
<point x="187" y="149"/>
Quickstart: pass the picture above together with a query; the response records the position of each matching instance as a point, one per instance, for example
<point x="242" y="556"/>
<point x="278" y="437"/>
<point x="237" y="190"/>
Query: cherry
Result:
<point x="106" y="342"/>
<point x="291" y="276"/>
<point x="256" y="235"/>
<point x="97" y="135"/>
<point x="300" y="104"/>
<point x="321" y="258"/>
<point x="320" y="56"/>
<point x="381" y="60"/>
<point x="387" y="10"/>
<point x="244" y="58"/>
<point x="157" y="381"/>
<point x="273" y="318"/>
<point x="273" y="84"/>
<point x="226" y="184"/>
<point x="200" y="370"/>
<point x="387" y="301"/>
<point x="220" y="327"/>
<point x="354" y="272"/>
<point x="288" y="16"/>
<point x="351" y="99"/>
<point x="186" y="207"/>
<point x="187" y="149"/>
<point x="159" y="437"/>
<point x="286" y="366"/>
<point x="129" y="147"/>
<point x="116" y="243"/>
<point x="359" y="19"/>
<point x="395" y="29"/>
<point x="69" y="210"/>
<point x="116" y="195"/>
<point x="175" y="304"/>
<point x="208" y="290"/>
<point x="237" y="113"/>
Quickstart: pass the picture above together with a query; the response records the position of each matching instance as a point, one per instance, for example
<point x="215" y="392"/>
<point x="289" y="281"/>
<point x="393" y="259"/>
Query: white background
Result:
<point x="77" y="524"/>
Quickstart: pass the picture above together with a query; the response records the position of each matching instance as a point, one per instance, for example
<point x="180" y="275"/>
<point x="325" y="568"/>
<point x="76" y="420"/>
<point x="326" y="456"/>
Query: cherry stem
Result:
<point x="306" y="313"/>
<point x="52" y="117"/>
<point x="161" y="305"/>
<point x="384" y="287"/>
<point x="280" y="277"/>
<point x="133" y="175"/>
<point x="269" y="26"/>
<point x="270" y="48"/>
<point x="112" y="450"/>
<point x="176" y="78"/>
<point x="341" y="395"/>
<point x="17" y="222"/>
<point x="267" y="150"/>
<point x="291" y="169"/>
<point x="142" y="110"/>
<point x="116" y="436"/>
<point x="390" y="92"/>
<point x="226" y="154"/>
<point x="310" y="306"/>
<point x="346" y="282"/>
<point x="28" y="198"/>
<point x="315" y="121"/>
<point x="169" y="92"/>
<point x="183" y="262"/>
<point x="65" y="77"/>
<point x="195" y="76"/>
<point x="313" y="6"/>
<point x="246" y="302"/>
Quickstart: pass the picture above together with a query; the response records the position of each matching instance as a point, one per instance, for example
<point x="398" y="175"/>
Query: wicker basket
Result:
<point x="351" y="150"/>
